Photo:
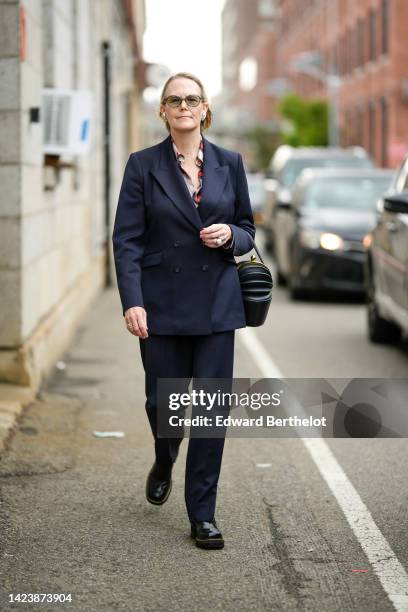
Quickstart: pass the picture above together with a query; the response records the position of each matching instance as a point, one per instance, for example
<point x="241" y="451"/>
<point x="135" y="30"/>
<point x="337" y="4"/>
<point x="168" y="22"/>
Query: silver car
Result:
<point x="387" y="264"/>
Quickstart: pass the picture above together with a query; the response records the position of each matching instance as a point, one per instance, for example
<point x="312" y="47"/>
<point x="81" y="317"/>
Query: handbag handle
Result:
<point x="257" y="252"/>
<point x="254" y="247"/>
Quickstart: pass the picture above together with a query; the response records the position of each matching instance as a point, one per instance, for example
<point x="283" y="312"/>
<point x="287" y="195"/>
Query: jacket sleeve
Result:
<point x="128" y="235"/>
<point x="243" y="227"/>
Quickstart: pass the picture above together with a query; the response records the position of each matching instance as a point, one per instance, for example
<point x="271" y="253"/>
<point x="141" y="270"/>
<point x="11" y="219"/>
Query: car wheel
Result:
<point x="380" y="331"/>
<point x="280" y="279"/>
<point x="269" y="246"/>
<point x="295" y="291"/>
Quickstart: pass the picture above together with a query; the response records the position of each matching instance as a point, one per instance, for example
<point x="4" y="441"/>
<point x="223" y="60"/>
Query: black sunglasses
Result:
<point x="175" y="101"/>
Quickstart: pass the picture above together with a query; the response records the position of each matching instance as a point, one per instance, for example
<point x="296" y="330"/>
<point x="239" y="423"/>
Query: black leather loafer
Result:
<point x="158" y="486"/>
<point x="207" y="535"/>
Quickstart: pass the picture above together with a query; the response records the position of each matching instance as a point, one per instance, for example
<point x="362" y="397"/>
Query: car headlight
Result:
<point x="331" y="242"/>
<point x="312" y="239"/>
<point x="367" y="240"/>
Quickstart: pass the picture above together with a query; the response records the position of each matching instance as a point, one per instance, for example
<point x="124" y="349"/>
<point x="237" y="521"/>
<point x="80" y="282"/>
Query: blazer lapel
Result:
<point x="214" y="180"/>
<point x="169" y="176"/>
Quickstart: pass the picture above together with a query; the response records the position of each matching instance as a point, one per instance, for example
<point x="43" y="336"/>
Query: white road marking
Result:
<point x="259" y="353"/>
<point x="390" y="572"/>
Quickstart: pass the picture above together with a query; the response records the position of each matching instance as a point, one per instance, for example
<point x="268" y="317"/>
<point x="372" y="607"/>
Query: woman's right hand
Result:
<point x="136" y="323"/>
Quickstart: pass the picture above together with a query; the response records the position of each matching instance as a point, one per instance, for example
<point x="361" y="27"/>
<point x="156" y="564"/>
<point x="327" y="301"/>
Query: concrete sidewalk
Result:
<point x="91" y="531"/>
<point x="13" y="399"/>
<point x="75" y="519"/>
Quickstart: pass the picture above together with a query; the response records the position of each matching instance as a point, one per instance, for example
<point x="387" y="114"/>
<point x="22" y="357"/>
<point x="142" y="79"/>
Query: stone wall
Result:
<point x="52" y="221"/>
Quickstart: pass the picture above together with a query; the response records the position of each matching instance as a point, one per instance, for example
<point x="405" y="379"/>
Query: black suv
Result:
<point x="387" y="264"/>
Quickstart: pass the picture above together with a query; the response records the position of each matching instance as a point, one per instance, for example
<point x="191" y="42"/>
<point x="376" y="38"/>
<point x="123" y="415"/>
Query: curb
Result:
<point x="13" y="400"/>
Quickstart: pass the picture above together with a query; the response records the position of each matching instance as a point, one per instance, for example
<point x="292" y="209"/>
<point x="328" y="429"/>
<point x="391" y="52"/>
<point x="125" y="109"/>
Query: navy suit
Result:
<point x="190" y="292"/>
<point x="161" y="263"/>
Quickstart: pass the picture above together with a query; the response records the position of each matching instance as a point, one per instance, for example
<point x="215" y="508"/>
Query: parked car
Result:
<point x="387" y="264"/>
<point x="285" y="167"/>
<point x="256" y="190"/>
<point x="319" y="234"/>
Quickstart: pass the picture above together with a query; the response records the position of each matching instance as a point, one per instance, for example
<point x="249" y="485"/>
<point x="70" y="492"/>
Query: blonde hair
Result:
<point x="205" y="123"/>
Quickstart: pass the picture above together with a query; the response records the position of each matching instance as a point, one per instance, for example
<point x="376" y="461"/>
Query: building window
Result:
<point x="335" y="60"/>
<point x="337" y="55"/>
<point x="267" y="9"/>
<point x="248" y="74"/>
<point x="342" y="53"/>
<point x="360" y="42"/>
<point x="371" y="129"/>
<point x="384" y="132"/>
<point x="354" y="48"/>
<point x="373" y="34"/>
<point x="346" y="51"/>
<point x="366" y="39"/>
<point x="385" y="26"/>
<point x="359" y="127"/>
<point x="351" y="50"/>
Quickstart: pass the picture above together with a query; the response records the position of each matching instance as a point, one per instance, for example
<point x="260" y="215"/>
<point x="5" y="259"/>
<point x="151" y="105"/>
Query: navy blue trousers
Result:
<point x="207" y="356"/>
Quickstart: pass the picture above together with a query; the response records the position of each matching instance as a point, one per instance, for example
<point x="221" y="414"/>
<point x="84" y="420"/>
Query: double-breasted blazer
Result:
<point x="161" y="263"/>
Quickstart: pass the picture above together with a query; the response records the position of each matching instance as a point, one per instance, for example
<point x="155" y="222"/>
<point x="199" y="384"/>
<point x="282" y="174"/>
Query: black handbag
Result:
<point x="256" y="288"/>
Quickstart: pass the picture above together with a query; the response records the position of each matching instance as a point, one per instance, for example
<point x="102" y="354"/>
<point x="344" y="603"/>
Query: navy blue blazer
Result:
<point x="161" y="263"/>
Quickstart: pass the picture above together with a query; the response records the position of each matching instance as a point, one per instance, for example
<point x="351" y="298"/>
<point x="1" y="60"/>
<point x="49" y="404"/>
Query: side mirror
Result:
<point x="379" y="206"/>
<point x="270" y="184"/>
<point x="283" y="205"/>
<point x="284" y="199"/>
<point x="397" y="203"/>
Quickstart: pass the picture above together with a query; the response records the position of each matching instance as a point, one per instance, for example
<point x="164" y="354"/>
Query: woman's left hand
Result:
<point x="216" y="235"/>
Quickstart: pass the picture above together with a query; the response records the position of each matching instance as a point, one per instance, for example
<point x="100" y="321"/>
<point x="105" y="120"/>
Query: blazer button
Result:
<point x="204" y="267"/>
<point x="176" y="244"/>
<point x="176" y="269"/>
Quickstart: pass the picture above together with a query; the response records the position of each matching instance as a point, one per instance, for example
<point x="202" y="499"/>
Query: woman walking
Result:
<point x="182" y="215"/>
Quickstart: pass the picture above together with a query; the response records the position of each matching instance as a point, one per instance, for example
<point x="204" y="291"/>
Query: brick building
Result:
<point x="248" y="40"/>
<point x="364" y="43"/>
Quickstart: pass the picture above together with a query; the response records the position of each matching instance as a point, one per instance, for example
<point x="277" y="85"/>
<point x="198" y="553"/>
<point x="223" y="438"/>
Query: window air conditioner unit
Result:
<point x="66" y="121"/>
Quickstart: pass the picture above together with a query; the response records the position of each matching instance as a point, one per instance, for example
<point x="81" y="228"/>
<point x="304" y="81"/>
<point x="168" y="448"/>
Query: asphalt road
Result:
<point x="73" y="514"/>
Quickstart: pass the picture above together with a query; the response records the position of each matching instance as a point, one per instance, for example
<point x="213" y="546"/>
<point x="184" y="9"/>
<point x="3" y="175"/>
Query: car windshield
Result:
<point x="356" y="193"/>
<point x="294" y="167"/>
<point x="256" y="189"/>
